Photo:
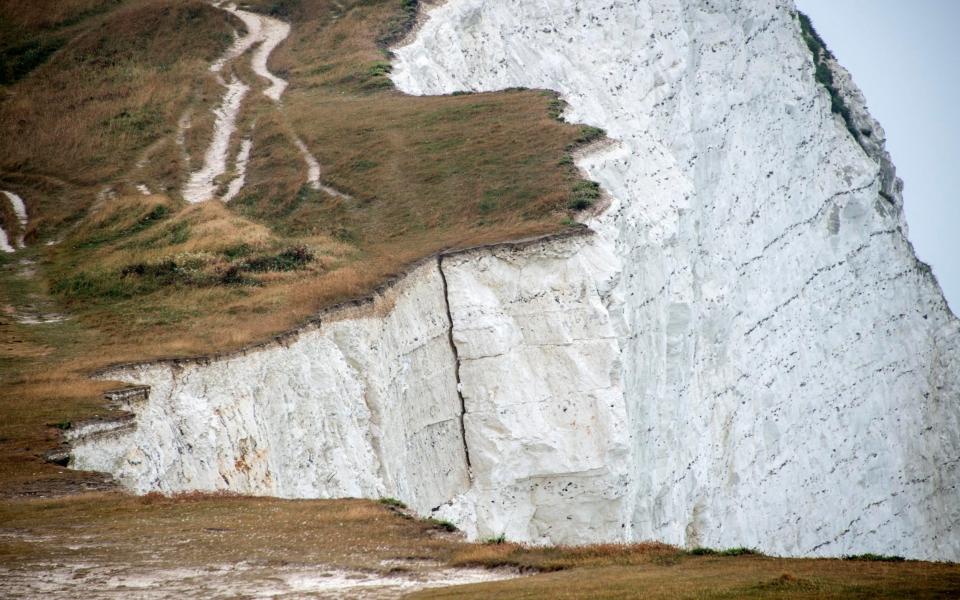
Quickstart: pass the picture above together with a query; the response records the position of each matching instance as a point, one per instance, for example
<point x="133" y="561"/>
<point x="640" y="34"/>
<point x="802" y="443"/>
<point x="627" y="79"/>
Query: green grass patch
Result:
<point x="442" y="524"/>
<point x="556" y="107"/>
<point x="584" y="194"/>
<point x="361" y="165"/>
<point x="379" y="69"/>
<point x="17" y="62"/>
<point x="139" y="121"/>
<point x="346" y="235"/>
<point x="398" y="25"/>
<point x="490" y="202"/>
<point x="392" y="502"/>
<point x="739" y="551"/>
<point x="589" y="134"/>
<point x="112" y="231"/>
<point x="186" y="270"/>
<point x="870" y="557"/>
<point x="238" y="251"/>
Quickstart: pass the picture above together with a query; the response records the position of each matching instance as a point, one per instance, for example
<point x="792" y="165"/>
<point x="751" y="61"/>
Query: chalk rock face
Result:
<point x="546" y="423"/>
<point x="790" y="372"/>
<point x="746" y="352"/>
<point x="365" y="406"/>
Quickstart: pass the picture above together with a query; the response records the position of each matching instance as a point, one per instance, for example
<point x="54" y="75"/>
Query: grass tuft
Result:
<point x="589" y="134"/>
<point x="869" y="556"/>
<point x="392" y="502"/>
<point x="399" y="24"/>
<point x="824" y="74"/>
<point x="441" y="524"/>
<point x="498" y="552"/>
<point x="585" y="193"/>
<point x="785" y="583"/>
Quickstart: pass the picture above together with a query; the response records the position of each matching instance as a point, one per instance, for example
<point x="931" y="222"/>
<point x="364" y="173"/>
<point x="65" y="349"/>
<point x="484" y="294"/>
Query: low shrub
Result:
<point x="17" y="62"/>
<point x="741" y="551"/>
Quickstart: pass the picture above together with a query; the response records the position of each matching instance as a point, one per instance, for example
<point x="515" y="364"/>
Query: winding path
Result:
<point x="19" y="209"/>
<point x="263" y="36"/>
<point x="5" y="242"/>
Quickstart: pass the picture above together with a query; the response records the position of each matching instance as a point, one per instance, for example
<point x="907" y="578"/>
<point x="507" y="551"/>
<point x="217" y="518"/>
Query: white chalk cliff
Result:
<point x="744" y="352"/>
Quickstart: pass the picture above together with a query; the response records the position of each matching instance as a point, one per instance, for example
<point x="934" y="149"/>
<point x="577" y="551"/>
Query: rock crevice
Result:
<point x="456" y="360"/>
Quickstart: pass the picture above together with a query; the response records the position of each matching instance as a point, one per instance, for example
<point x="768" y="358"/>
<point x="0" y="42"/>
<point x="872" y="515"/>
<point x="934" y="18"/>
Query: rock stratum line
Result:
<point x="745" y="353"/>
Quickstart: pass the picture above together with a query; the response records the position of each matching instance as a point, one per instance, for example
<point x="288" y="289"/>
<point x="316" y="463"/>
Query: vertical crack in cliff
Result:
<point x="456" y="369"/>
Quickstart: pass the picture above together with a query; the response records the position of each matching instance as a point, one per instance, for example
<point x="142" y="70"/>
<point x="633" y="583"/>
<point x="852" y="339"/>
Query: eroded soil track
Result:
<point x="263" y="35"/>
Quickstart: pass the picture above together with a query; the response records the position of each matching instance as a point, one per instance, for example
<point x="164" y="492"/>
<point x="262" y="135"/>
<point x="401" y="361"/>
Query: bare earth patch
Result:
<point x="58" y="580"/>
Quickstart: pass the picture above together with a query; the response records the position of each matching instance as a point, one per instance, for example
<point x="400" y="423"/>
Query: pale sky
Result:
<point x="905" y="56"/>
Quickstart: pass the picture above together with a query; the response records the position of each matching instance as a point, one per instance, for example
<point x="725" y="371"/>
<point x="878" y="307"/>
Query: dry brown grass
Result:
<point x="80" y="120"/>
<point x="47" y="14"/>
<point x="560" y="558"/>
<point x="728" y="578"/>
<point x="198" y="531"/>
<point x="217" y="529"/>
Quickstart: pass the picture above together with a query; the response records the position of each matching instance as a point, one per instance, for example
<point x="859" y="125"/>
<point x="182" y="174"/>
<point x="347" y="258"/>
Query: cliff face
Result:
<point x="746" y="352"/>
<point x="366" y="406"/>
